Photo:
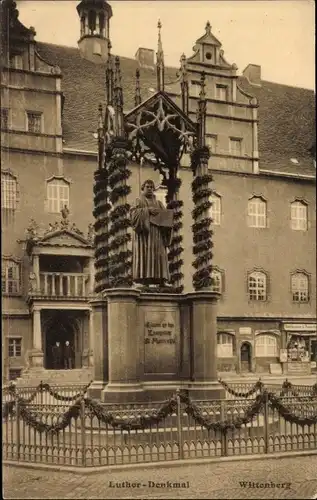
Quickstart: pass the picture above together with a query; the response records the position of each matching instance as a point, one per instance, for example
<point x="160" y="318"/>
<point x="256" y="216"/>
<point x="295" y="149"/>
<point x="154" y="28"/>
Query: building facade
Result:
<point x="261" y="137"/>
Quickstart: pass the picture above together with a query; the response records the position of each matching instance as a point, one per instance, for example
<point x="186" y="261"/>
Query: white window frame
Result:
<point x="215" y="209"/>
<point x="299" y="216"/>
<point x="217" y="286"/>
<point x="257" y="286"/>
<point x="224" y="345"/>
<point x="9" y="191"/>
<point x="222" y="92"/>
<point x="11" y="276"/>
<point x="57" y="194"/>
<point x="16" y="344"/>
<point x="257" y="212"/>
<point x="300" y="287"/>
<point x="233" y="142"/>
<point x="37" y="114"/>
<point x="266" y="346"/>
<point x="194" y="88"/>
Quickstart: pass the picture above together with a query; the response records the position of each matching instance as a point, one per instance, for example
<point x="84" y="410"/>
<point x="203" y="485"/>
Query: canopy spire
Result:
<point x="160" y="60"/>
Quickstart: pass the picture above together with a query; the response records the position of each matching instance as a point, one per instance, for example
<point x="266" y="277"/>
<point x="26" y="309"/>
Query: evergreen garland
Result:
<point x="176" y="249"/>
<point x="202" y="234"/>
<point x="101" y="214"/>
<point x="168" y="408"/>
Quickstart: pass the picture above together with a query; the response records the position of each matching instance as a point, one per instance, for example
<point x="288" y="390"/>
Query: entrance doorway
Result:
<point x="61" y="343"/>
<point x="246" y="357"/>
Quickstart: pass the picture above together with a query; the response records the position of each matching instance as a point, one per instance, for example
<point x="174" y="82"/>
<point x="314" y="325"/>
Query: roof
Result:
<point x="286" y="114"/>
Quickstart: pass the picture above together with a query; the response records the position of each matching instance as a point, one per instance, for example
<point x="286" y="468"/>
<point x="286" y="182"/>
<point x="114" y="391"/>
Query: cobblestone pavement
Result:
<point x="279" y="478"/>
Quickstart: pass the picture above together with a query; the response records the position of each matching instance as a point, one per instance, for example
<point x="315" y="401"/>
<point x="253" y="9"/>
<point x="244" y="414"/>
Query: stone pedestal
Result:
<point x="36" y="358"/>
<point x="124" y="341"/>
<point x="203" y="348"/>
<point x="99" y="330"/>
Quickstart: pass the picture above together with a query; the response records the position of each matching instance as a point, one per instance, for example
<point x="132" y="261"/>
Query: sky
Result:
<point x="278" y="35"/>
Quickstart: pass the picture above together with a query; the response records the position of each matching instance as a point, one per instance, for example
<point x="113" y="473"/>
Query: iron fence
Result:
<point x="88" y="442"/>
<point x="44" y="394"/>
<point x="280" y="389"/>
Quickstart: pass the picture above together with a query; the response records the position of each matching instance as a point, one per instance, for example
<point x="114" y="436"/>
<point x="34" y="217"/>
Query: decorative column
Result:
<point x="175" y="250"/>
<point x="203" y="300"/>
<point x="36" y="270"/>
<point x="37" y="351"/>
<point x="98" y="329"/>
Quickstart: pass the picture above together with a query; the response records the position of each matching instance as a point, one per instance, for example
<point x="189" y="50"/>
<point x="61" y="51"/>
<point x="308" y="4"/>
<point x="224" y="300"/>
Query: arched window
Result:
<point x="57" y="194"/>
<point x="257" y="212"/>
<point x="224" y="345"/>
<point x="215" y="209"/>
<point x="9" y="191"/>
<point x="300" y="287"/>
<point x="257" y="286"/>
<point x="266" y="346"/>
<point x="11" y="277"/>
<point x="299" y="216"/>
<point x="217" y="285"/>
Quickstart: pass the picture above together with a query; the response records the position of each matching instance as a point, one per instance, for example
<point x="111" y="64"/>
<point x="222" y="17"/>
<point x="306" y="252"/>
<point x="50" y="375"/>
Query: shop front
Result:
<point x="299" y="356"/>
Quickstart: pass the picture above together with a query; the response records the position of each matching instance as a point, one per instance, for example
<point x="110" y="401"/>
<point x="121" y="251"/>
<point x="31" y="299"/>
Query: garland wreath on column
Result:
<point x="202" y="233"/>
<point x="120" y="263"/>
<point x="176" y="249"/>
<point x="101" y="214"/>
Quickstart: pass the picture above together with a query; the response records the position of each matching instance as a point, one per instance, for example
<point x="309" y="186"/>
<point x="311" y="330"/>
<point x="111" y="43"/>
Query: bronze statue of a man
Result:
<point x="152" y="224"/>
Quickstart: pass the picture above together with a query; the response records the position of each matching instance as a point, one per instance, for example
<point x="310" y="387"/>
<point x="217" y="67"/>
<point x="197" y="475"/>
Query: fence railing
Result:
<point x="249" y="390"/>
<point x="90" y="434"/>
<point x="45" y="394"/>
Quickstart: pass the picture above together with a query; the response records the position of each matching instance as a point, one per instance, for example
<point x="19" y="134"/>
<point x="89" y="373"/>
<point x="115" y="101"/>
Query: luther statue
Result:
<point x="152" y="224"/>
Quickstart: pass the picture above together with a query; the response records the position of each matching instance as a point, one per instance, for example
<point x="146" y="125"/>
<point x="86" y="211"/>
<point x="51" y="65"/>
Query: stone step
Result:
<point x="33" y="377"/>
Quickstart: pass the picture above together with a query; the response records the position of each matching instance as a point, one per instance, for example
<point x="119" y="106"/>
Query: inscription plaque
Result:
<point x="160" y="342"/>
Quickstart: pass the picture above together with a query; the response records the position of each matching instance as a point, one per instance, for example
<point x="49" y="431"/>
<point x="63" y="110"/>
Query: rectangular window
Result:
<point x="57" y="195"/>
<point x="299" y="216"/>
<point x="235" y="146"/>
<point x="13" y="374"/>
<point x="34" y="122"/>
<point x="194" y="88"/>
<point x="10" y="277"/>
<point x="257" y="213"/>
<point x="222" y="92"/>
<point x="211" y="142"/>
<point x="4" y="118"/>
<point x="8" y="192"/>
<point x="215" y="209"/>
<point x="224" y="345"/>
<point x="15" y="347"/>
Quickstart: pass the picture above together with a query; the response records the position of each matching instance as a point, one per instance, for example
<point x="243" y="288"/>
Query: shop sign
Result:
<point x="245" y="331"/>
<point x="300" y="327"/>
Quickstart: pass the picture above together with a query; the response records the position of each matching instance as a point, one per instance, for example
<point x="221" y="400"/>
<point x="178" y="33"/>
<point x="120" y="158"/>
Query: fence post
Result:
<point x="82" y="431"/>
<point x="17" y="411"/>
<point x="179" y="425"/>
<point x="224" y="440"/>
<point x="41" y="393"/>
<point x="266" y="422"/>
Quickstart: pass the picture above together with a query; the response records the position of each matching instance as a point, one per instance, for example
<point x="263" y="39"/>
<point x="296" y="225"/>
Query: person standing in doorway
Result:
<point x="57" y="356"/>
<point x="68" y="356"/>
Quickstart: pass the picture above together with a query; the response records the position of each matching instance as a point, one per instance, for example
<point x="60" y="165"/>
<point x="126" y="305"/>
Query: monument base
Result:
<point x="122" y="393"/>
<point x="95" y="389"/>
<point x="206" y="391"/>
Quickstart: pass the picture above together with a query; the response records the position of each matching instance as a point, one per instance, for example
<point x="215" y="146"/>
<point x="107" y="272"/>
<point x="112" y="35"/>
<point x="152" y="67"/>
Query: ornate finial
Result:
<point x="184" y="83"/>
<point x="65" y="214"/>
<point x="137" y="97"/>
<point x="160" y="60"/>
<point x="208" y="28"/>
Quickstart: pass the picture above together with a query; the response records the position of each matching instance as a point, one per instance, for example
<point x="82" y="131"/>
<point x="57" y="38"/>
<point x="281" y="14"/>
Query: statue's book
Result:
<point x="163" y="219"/>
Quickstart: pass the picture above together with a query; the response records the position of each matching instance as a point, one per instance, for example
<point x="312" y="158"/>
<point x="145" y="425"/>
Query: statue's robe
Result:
<point x="150" y="242"/>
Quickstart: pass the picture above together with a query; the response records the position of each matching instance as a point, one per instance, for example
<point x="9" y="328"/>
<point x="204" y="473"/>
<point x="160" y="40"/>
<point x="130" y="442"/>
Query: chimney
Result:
<point x="145" y="58"/>
<point x="253" y="74"/>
